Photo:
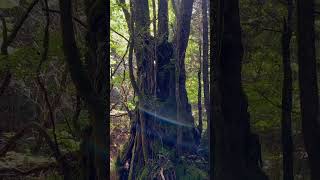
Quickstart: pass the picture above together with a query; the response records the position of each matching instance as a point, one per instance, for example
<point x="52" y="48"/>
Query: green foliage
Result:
<point x="190" y="172"/>
<point x="145" y="173"/>
<point x="7" y="4"/>
<point x="19" y="60"/>
<point x="117" y="23"/>
<point x="54" y="176"/>
<point x="55" y="46"/>
<point x="192" y="88"/>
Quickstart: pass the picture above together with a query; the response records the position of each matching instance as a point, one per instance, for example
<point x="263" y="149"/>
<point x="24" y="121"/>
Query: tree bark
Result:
<point x="236" y="148"/>
<point x="309" y="101"/>
<point x="92" y="89"/>
<point x="200" y="127"/>
<point x="205" y="66"/>
<point x="184" y="114"/>
<point x="155" y="120"/>
<point x="287" y="144"/>
<point x="163" y="30"/>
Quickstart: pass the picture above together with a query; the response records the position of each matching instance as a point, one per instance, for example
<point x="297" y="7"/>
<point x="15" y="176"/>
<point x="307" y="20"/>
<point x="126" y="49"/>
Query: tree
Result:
<point x="309" y="101"/>
<point x="184" y="114"/>
<point x="205" y="49"/>
<point x="200" y="126"/>
<point x="156" y="115"/>
<point x="287" y="144"/>
<point x="92" y="88"/>
<point x="237" y="150"/>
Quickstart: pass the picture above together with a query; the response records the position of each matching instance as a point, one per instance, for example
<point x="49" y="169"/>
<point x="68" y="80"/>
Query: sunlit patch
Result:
<point x="160" y="117"/>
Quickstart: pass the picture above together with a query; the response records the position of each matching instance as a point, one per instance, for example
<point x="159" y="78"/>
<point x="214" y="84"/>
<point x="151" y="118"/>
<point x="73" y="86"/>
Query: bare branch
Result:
<point x="122" y="60"/>
<point x="17" y="27"/>
<point x="74" y="18"/>
<point x="119" y="34"/>
<point x="42" y="86"/>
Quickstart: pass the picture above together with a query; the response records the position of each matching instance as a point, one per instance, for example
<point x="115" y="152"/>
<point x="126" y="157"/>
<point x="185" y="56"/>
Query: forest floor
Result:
<point x="272" y="156"/>
<point x="120" y="132"/>
<point x="21" y="160"/>
<point x="22" y="164"/>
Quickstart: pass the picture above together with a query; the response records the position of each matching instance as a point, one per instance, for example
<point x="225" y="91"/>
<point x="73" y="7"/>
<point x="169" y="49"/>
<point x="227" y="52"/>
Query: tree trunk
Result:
<point x="163" y="30"/>
<point x="93" y="89"/>
<point x="215" y="85"/>
<point x="155" y="120"/>
<point x="287" y="144"/>
<point x="200" y="126"/>
<point x="308" y="84"/>
<point x="236" y="148"/>
<point x="199" y="103"/>
<point x="205" y="66"/>
<point x="184" y="114"/>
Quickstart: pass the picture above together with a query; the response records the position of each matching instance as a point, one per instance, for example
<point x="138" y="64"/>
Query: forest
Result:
<point x="159" y="90"/>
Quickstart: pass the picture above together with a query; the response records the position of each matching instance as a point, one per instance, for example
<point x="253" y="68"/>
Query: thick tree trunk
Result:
<point x="287" y="144"/>
<point x="145" y="62"/>
<point x="236" y="149"/>
<point x="93" y="89"/>
<point x="309" y="101"/>
<point x="215" y="85"/>
<point x="155" y="120"/>
<point x="163" y="30"/>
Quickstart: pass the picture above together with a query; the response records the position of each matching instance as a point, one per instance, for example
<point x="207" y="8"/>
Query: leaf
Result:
<point x="7" y="4"/>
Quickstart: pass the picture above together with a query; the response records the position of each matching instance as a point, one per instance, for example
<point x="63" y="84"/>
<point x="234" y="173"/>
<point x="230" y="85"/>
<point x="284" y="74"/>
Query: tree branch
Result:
<point x="42" y="86"/>
<point x="119" y="34"/>
<point x="71" y="51"/>
<point x="126" y="13"/>
<point x="11" y="37"/>
<point x="118" y="65"/>
<point x="83" y="24"/>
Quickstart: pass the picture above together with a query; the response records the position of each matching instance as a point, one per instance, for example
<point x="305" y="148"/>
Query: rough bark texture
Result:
<point x="236" y="148"/>
<point x="163" y="32"/>
<point x="155" y="119"/>
<point x="309" y="101"/>
<point x="287" y="144"/>
<point x="145" y="75"/>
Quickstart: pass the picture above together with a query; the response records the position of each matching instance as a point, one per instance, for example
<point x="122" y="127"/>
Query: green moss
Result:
<point x="145" y="173"/>
<point x="190" y="172"/>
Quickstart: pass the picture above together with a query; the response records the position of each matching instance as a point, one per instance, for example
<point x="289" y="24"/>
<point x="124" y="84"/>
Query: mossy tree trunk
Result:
<point x="155" y="120"/>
